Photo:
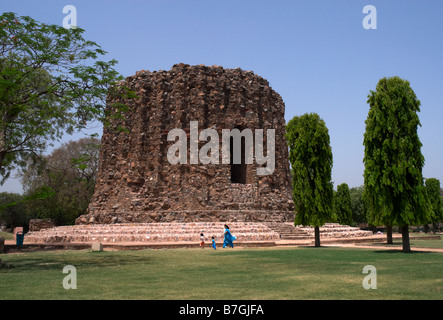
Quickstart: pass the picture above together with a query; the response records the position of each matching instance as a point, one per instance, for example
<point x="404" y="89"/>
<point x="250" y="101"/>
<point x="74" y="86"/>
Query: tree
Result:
<point x="435" y="202"/>
<point x="342" y="204"/>
<point x="12" y="210"/>
<point x="393" y="160"/>
<point x="66" y="177"/>
<point x="441" y="197"/>
<point x="358" y="205"/>
<point x="51" y="82"/>
<point x="310" y="156"/>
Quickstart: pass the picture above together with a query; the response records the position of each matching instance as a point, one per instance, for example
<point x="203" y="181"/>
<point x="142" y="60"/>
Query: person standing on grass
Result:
<point x="213" y="244"/>
<point x="202" y="240"/>
<point x="228" y="238"/>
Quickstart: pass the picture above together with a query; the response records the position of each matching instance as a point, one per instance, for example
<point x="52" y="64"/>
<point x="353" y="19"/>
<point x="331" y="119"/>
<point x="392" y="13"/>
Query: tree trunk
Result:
<point x="434" y="228"/>
<point x="2" y="153"/>
<point x="389" y="234"/>
<point x="6" y="120"/>
<point x="317" y="236"/>
<point x="405" y="238"/>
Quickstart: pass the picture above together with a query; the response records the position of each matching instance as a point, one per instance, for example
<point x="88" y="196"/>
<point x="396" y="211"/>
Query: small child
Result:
<point x="213" y="244"/>
<point x="202" y="240"/>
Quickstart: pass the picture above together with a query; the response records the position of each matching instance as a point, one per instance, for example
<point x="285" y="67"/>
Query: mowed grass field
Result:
<point x="239" y="273"/>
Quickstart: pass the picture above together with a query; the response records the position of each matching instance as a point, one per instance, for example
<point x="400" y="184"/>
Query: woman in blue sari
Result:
<point x="229" y="238"/>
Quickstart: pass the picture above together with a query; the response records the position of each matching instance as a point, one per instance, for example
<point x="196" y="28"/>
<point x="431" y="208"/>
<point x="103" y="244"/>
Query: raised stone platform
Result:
<point x="153" y="232"/>
<point x="186" y="232"/>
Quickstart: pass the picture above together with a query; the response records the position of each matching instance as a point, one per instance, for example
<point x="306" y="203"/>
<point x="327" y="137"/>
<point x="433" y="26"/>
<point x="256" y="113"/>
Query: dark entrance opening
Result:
<point x="238" y="171"/>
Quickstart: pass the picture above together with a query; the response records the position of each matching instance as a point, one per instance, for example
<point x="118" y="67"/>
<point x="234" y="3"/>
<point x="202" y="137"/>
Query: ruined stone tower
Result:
<point x="137" y="183"/>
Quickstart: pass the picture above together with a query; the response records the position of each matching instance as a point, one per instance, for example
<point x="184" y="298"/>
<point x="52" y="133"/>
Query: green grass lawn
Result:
<point x="240" y="273"/>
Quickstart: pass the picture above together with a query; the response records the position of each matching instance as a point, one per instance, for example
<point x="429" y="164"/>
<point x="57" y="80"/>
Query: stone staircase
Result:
<point x="335" y="230"/>
<point x="288" y="231"/>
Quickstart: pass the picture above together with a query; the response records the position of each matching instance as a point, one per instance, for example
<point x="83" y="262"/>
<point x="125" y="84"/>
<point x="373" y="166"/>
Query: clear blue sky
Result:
<point x="315" y="53"/>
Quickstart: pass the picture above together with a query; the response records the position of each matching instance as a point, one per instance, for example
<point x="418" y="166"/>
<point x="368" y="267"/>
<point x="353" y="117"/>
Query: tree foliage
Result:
<point x="51" y="82"/>
<point x="435" y="201"/>
<point x="342" y="204"/>
<point x="310" y="156"/>
<point x="66" y="178"/>
<point x="13" y="210"/>
<point x="393" y="160"/>
<point x="358" y="205"/>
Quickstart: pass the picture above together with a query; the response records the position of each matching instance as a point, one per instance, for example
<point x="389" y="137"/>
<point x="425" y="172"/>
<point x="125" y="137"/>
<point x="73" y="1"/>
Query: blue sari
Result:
<point x="229" y="239"/>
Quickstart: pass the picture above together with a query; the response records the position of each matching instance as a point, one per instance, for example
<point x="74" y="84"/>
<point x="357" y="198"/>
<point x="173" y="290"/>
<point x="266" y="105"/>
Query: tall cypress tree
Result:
<point x="310" y="156"/>
<point x="393" y="160"/>
<point x="435" y="202"/>
<point x="342" y="204"/>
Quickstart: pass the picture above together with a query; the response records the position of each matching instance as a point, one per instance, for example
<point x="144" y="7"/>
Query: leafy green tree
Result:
<point x="310" y="156"/>
<point x="435" y="202"/>
<point x="358" y="205"/>
<point x="51" y="82"/>
<point x="342" y="204"/>
<point x="441" y="196"/>
<point x="393" y="160"/>
<point x="12" y="210"/>
<point x="64" y="181"/>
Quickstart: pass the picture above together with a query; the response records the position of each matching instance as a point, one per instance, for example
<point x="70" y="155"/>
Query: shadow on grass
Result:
<point x="396" y="247"/>
<point x="85" y="260"/>
<point x="398" y="251"/>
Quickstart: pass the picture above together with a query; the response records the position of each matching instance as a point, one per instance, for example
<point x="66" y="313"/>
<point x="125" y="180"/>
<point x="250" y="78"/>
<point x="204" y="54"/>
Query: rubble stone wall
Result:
<point x="40" y="224"/>
<point x="136" y="182"/>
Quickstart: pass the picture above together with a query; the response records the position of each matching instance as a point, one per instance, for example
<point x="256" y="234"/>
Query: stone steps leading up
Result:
<point x="288" y="231"/>
<point x="335" y="230"/>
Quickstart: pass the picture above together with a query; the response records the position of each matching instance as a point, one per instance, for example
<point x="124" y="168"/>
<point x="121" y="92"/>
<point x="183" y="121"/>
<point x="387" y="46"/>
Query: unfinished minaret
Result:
<point x="146" y="176"/>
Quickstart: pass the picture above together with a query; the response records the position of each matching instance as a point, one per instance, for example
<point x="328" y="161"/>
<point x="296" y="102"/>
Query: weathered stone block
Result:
<point x="97" y="247"/>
